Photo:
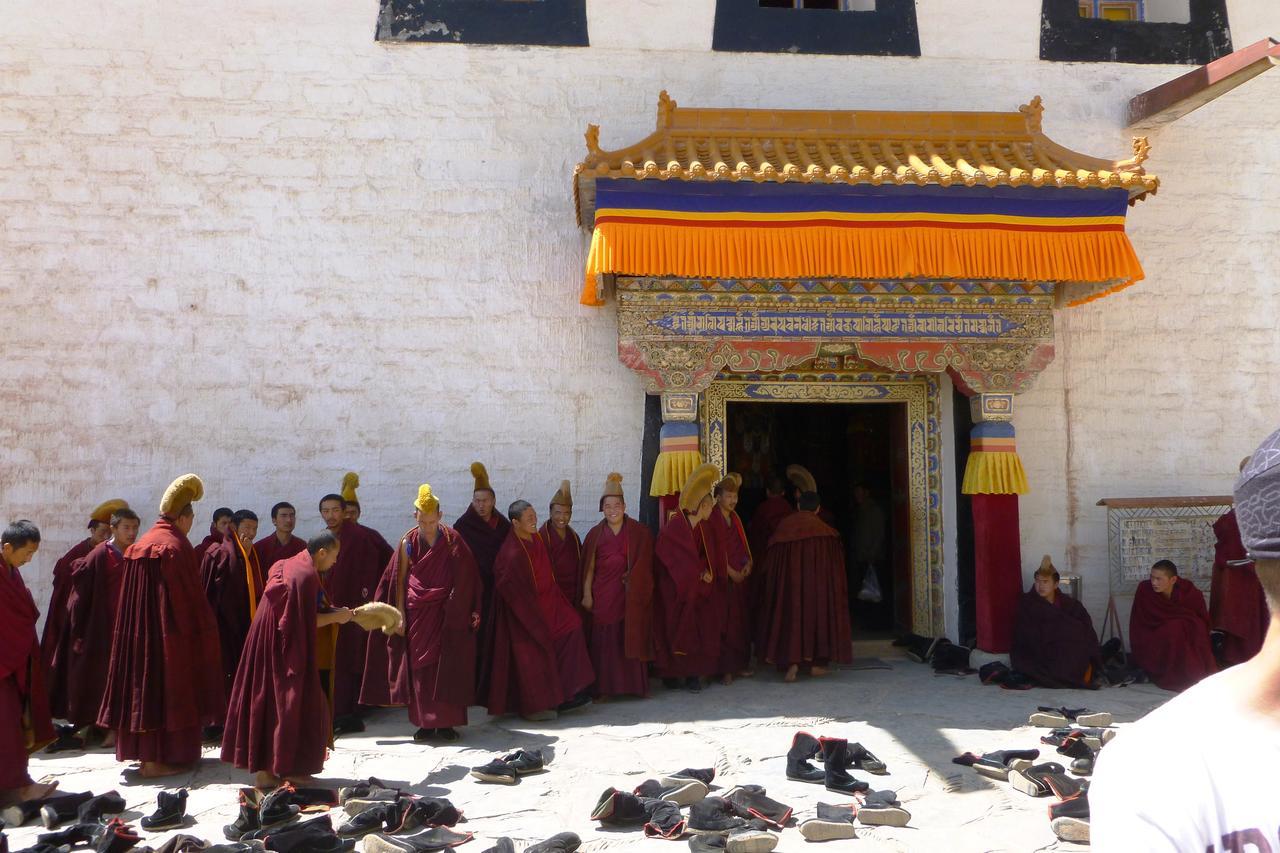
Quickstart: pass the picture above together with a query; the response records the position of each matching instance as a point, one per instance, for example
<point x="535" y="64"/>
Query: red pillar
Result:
<point x="997" y="553"/>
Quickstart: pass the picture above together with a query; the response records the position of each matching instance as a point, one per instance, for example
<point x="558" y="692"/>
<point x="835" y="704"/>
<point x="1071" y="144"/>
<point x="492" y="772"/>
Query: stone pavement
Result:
<point x="913" y="720"/>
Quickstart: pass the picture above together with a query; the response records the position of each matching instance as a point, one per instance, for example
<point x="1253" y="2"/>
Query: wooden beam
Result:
<point x="1171" y="101"/>
<point x="1144" y="503"/>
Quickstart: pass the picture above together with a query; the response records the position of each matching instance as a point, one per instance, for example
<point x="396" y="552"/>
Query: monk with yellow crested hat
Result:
<point x="563" y="545"/>
<point x="350" y="583"/>
<point x="617" y="568"/>
<point x="429" y="664"/>
<point x="55" y="614"/>
<point x="164" y="682"/>
<point x="686" y="638"/>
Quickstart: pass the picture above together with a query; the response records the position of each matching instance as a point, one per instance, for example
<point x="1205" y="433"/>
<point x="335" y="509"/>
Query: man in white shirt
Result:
<point x="1198" y="773"/>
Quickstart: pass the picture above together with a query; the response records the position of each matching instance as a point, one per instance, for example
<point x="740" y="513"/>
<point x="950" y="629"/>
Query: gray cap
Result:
<point x="1257" y="498"/>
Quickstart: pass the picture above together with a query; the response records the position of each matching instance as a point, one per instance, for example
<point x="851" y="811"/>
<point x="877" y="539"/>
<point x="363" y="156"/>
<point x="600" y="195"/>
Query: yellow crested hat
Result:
<point x="186" y="489"/>
<point x="801" y="478"/>
<point x="612" y="486"/>
<point x="481" y="476"/>
<point x="732" y="482"/>
<point x="563" y="495"/>
<point x="350" y="482"/>
<point x="102" y="514"/>
<point x="427" y="501"/>
<point x="698" y="486"/>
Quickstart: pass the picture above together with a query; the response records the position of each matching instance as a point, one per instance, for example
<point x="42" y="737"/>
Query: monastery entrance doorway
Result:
<point x="844" y="446"/>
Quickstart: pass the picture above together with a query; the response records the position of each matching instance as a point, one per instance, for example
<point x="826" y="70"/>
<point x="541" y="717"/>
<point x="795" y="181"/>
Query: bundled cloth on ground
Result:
<point x="1054" y="643"/>
<point x="362" y="557"/>
<point x="804" y="617"/>
<point x="619" y="626"/>
<point x="25" y="725"/>
<point x="1170" y="636"/>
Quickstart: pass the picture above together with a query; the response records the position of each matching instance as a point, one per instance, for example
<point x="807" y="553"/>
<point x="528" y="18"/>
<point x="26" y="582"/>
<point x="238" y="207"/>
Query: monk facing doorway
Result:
<point x="857" y="454"/>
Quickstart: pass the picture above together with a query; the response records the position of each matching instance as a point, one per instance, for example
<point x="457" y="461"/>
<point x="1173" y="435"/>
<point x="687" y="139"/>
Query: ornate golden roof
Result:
<point x="972" y="149"/>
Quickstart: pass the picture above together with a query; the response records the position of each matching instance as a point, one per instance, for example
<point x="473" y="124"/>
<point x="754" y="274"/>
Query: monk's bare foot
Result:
<point x="263" y="779"/>
<point x="818" y="671"/>
<point x="791" y="673"/>
<point x="726" y="679"/>
<point x="747" y="673"/>
<point x="301" y="781"/>
<point x="34" y="791"/>
<point x="154" y="769"/>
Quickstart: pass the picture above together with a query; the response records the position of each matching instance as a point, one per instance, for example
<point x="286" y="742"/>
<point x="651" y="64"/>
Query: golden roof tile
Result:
<point x="971" y="149"/>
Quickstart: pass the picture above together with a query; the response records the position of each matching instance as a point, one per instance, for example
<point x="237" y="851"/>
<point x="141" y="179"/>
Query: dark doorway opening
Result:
<point x="843" y="445"/>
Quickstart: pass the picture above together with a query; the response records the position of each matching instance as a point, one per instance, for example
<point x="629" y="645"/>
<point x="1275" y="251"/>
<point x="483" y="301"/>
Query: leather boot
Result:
<point x="804" y="746"/>
<point x="835" y="758"/>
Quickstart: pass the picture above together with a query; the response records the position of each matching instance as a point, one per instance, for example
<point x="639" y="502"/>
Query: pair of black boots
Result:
<point x="403" y="814"/>
<point x="259" y="812"/>
<point x="508" y="769"/>
<point x="837" y="756"/>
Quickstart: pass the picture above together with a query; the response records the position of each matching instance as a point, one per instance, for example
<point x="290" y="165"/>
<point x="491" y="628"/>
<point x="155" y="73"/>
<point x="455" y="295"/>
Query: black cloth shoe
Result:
<point x="362" y="789"/>
<point x="278" y="807"/>
<point x="1041" y="780"/>
<point x="804" y="746"/>
<point x="56" y="811"/>
<point x="582" y="699"/>
<point x="618" y="808"/>
<point x="564" y="842"/>
<point x="951" y="659"/>
<point x="835" y="758"/>
<point x="95" y="808"/>
<point x="996" y="765"/>
<point x="348" y="724"/>
<point x="1069" y="818"/>
<point x="307" y="797"/>
<point x="117" y="836"/>
<point x="433" y="838"/>
<point x="861" y="758"/>
<point x="662" y="819"/>
<point x="507" y="769"/>
<point x="73" y="836"/>
<point x="247" y="821"/>
<point x="171" y="811"/>
<point x="184" y="843"/>
<point x="993" y="673"/>
<point x="705" y="775"/>
<point x="714" y="815"/>
<point x="1075" y="747"/>
<point x="707" y="843"/>
<point x="1014" y="680"/>
<point x="881" y="808"/>
<point x="752" y="798"/>
<point x="380" y="817"/>
<point x="831" y="823"/>
<point x="66" y="741"/>
<point x="308" y="836"/>
<point x="427" y="811"/>
<point x="920" y="649"/>
<point x="685" y="793"/>
<point x="502" y="845"/>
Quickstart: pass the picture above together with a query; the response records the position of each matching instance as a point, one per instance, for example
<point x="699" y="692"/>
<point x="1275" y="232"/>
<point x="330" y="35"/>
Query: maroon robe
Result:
<point x="538" y="656"/>
<point x="25" y="725"/>
<point x="164" y="682"/>
<point x="620" y="624"/>
<point x="1237" y="605"/>
<point x="270" y="551"/>
<point x="805" y="608"/>
<point x="1170" y="636"/>
<point x="91" y="623"/>
<point x="765" y="520"/>
<point x="233" y="582"/>
<point x="431" y="667"/>
<point x="735" y="636"/>
<point x="1054" y="643"/>
<point x="484" y="539"/>
<point x="566" y="561"/>
<point x="52" y="653"/>
<point x="683" y="639"/>
<point x="362" y="555"/>
<point x="278" y="716"/>
<point x="207" y="542"/>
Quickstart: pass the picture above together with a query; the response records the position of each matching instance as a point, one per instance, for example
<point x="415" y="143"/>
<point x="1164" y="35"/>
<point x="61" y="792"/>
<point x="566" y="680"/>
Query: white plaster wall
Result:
<point x="246" y="240"/>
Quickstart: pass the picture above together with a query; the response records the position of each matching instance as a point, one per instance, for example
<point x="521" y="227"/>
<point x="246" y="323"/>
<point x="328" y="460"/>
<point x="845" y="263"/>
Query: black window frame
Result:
<point x="1067" y="37"/>
<point x="549" y="23"/>
<point x="744" y="26"/>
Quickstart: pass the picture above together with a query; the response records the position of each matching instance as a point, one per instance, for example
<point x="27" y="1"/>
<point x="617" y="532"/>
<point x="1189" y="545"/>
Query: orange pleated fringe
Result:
<point x="821" y="251"/>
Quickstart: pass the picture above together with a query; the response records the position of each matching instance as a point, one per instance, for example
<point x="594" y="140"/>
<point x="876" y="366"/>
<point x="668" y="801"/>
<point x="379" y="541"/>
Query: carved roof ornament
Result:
<point x="971" y="149"/>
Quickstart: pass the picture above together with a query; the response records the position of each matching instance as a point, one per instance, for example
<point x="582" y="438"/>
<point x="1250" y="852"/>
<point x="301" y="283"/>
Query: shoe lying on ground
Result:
<point x="660" y="818"/>
<point x="994" y="672"/>
<point x="704" y="775"/>
<point x="171" y="811"/>
<point x="920" y="649"/>
<point x="1095" y="738"/>
<point x="830" y="824"/>
<point x="253" y="818"/>
<point x="307" y="836"/>
<point x="718" y="816"/>
<point x="421" y="812"/>
<point x="881" y="808"/>
<point x="1069" y="818"/>
<point x="745" y="841"/>
<point x="117" y="836"/>
<point x="804" y="746"/>
<point x="371" y="796"/>
<point x="502" y="845"/>
<point x="752" y="800"/>
<point x="835" y="759"/>
<point x="996" y="765"/>
<point x="377" y="817"/>
<point x="1054" y="717"/>
<point x="1081" y="754"/>
<point x="73" y="836"/>
<point x="67" y="740"/>
<point x="507" y="769"/>
<point x="1043" y="780"/>
<point x="950" y="659"/>
<point x="434" y="838"/>
<point x="363" y="789"/>
<point x="96" y="808"/>
<point x="57" y="810"/>
<point x="684" y="794"/>
<point x="861" y="758"/>
<point x="562" y="842"/>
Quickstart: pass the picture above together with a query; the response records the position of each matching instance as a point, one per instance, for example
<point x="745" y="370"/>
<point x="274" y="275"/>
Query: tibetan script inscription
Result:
<point x="871" y="324"/>
<point x="1140" y="536"/>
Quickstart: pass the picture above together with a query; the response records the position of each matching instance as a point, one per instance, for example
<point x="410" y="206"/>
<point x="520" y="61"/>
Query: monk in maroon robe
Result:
<point x="617" y="569"/>
<point x="686" y="642"/>
<point x="278" y="725"/>
<point x="805" y="618"/>
<point x="429" y="665"/>
<point x="350" y="583"/>
<point x="233" y="583"/>
<point x="25" y="725"/>
<point x="91" y="621"/>
<point x="563" y="545"/>
<point x="1054" y="643"/>
<point x="538" y="655"/>
<point x="51" y="650"/>
<point x="1169" y="629"/>
<point x="217" y="532"/>
<point x="730" y="540"/>
<point x="768" y="515"/>
<point x="165" y="678"/>
<point x="280" y="544"/>
<point x="1237" y="606"/>
<point x="484" y="531"/>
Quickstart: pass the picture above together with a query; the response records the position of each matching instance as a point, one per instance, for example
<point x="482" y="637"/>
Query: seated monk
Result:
<point x="1054" y="643"/>
<point x="1238" y="612"/>
<point x="1169" y="629"/>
